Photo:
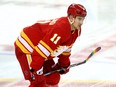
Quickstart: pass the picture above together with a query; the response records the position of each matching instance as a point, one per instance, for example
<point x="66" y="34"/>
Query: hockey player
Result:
<point x="40" y="43"/>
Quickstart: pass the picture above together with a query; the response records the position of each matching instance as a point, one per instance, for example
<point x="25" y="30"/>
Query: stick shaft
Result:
<point x="76" y="64"/>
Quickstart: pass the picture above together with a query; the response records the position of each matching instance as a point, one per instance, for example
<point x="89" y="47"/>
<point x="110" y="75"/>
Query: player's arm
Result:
<point x="63" y="62"/>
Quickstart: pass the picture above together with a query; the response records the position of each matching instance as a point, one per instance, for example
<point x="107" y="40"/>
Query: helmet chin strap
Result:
<point x="72" y="24"/>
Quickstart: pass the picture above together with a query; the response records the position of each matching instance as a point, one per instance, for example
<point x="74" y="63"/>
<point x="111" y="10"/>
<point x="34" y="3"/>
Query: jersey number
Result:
<point x="55" y="38"/>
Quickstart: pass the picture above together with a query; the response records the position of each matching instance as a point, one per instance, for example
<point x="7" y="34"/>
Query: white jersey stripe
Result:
<point x="44" y="50"/>
<point x="68" y="50"/>
<point x="25" y="44"/>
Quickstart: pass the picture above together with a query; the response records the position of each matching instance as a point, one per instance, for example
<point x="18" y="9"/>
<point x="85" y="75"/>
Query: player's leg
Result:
<point x="53" y="79"/>
<point x="51" y="85"/>
<point x="39" y="81"/>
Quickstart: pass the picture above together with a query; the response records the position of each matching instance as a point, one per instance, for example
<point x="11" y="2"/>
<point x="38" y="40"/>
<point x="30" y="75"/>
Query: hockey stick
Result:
<point x="76" y="64"/>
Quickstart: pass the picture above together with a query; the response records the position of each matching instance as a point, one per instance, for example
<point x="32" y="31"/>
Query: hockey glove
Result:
<point x="64" y="70"/>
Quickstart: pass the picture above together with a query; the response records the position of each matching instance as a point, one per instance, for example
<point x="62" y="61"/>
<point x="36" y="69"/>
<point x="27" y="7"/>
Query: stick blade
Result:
<point x="93" y="52"/>
<point x="97" y="49"/>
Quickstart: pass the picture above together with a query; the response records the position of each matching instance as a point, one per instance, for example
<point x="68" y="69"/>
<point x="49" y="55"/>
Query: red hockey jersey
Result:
<point x="48" y="38"/>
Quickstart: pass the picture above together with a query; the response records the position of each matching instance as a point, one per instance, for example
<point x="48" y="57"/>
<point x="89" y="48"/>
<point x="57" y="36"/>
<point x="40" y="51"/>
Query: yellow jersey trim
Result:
<point x="27" y="39"/>
<point x="46" y="46"/>
<point x="21" y="46"/>
<point x="29" y="58"/>
<point x="41" y="53"/>
<point x="66" y="53"/>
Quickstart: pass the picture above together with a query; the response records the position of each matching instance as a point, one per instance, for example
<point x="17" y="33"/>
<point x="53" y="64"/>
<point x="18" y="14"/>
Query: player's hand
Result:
<point x="64" y="70"/>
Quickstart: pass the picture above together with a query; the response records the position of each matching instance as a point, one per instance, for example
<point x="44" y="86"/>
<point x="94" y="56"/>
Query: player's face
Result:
<point x="78" y="21"/>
